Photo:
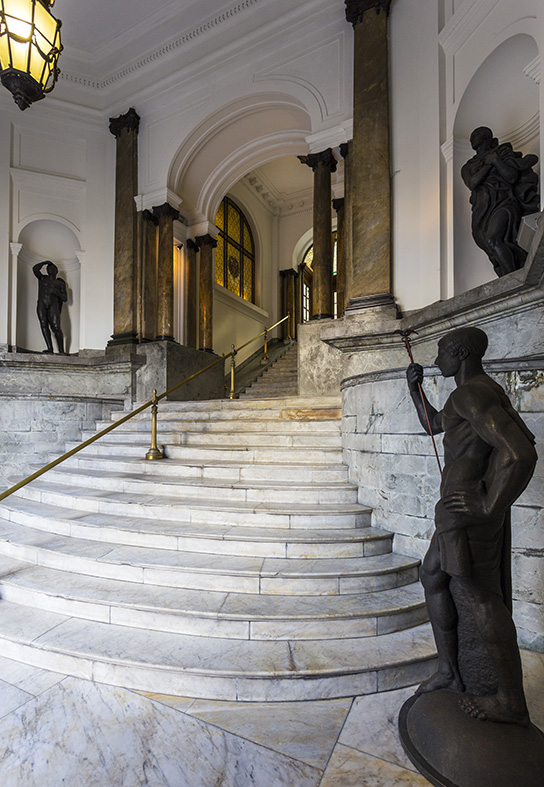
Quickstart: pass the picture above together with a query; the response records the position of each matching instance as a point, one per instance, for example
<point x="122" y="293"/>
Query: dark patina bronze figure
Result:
<point x="503" y="188"/>
<point x="51" y="295"/>
<point x="489" y="458"/>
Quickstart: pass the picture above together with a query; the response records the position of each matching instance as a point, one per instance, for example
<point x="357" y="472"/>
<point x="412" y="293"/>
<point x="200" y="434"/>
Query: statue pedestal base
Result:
<point x="453" y="750"/>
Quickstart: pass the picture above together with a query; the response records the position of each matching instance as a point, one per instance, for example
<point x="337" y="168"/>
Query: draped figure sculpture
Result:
<point x="503" y="189"/>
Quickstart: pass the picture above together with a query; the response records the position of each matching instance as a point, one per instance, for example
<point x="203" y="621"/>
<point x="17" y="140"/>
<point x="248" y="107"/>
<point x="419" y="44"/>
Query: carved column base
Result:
<point x="371" y="302"/>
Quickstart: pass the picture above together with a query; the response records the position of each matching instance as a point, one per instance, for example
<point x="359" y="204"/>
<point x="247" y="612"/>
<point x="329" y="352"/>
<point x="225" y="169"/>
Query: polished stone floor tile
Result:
<point x="351" y="768"/>
<point x="306" y="731"/>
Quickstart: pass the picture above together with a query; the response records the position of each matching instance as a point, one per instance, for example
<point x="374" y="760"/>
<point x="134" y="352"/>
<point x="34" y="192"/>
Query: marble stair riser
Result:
<point x="184" y="490"/>
<point x="193" y="624"/>
<point x="230" y="426"/>
<point x="228" y="578"/>
<point x="249" y="439"/>
<point x="295" y="457"/>
<point x="122" y="662"/>
<point x="335" y="517"/>
<point x="224" y="544"/>
<point x="232" y="472"/>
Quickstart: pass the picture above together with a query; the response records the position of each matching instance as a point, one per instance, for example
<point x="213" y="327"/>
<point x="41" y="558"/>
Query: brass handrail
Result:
<point x="151" y="403"/>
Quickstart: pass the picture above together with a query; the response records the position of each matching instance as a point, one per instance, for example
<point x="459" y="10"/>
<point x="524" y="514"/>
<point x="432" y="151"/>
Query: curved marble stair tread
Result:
<point x="229" y="573"/>
<point x="179" y="664"/>
<point x="302" y="456"/>
<point x="224" y="470"/>
<point x="167" y="507"/>
<point x="243" y="490"/>
<point x="258" y="438"/>
<point x="152" y="533"/>
<point x="232" y="425"/>
<point x="212" y="613"/>
<point x="306" y="401"/>
<point x="172" y="411"/>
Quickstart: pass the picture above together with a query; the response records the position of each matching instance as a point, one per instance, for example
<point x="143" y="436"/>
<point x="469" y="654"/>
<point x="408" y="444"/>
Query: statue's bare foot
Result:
<point x="441" y="680"/>
<point x="490" y="708"/>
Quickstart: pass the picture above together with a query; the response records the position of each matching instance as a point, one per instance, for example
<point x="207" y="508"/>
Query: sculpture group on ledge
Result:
<point x="51" y="295"/>
<point x="503" y="189"/>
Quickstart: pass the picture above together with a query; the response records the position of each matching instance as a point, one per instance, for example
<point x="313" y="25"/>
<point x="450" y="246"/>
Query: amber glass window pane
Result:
<point x="235" y="253"/>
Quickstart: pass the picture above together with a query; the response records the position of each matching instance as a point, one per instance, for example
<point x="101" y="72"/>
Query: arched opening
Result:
<point x="502" y="96"/>
<point x="45" y="239"/>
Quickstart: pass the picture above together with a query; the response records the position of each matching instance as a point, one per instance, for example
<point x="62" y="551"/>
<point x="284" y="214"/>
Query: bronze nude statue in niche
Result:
<point x="52" y="294"/>
<point x="503" y="189"/>
<point x="489" y="458"/>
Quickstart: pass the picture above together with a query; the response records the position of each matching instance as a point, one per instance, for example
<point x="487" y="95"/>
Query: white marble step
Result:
<point x="169" y="508"/>
<point x="210" y="613"/>
<point x="330" y="415"/>
<point x="225" y="470"/>
<point x="227" y="669"/>
<point x="296" y="457"/>
<point x="197" y="537"/>
<point x="233" y="405"/>
<point x="156" y="482"/>
<point x="257" y="438"/>
<point x="197" y="570"/>
<point x="231" y="425"/>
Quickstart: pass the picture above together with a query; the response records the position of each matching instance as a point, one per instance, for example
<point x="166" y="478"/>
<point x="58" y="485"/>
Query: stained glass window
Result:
<point x="235" y="252"/>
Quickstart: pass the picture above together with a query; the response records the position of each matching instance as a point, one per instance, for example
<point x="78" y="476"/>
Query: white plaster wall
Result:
<point x="57" y="165"/>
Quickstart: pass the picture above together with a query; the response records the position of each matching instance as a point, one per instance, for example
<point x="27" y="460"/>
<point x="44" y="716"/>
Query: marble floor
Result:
<point x="59" y="730"/>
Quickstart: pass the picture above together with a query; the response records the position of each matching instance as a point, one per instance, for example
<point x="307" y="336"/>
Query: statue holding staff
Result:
<point x="489" y="458"/>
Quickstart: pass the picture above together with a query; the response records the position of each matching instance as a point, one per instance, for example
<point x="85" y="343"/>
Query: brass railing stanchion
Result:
<point x="154" y="452"/>
<point x="232" y="394"/>
<point x="265" y="356"/>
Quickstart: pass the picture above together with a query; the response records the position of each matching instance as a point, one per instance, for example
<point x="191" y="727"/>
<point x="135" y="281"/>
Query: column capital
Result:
<point x="205" y="240"/>
<point x="344" y="149"/>
<point x="325" y="157"/>
<point x="338" y="204"/>
<point x="130" y="121"/>
<point x="192" y="245"/>
<point x="288" y="272"/>
<point x="355" y="9"/>
<point x="165" y="211"/>
<point x="149" y="216"/>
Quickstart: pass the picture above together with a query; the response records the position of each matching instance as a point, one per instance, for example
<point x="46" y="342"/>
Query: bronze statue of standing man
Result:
<point x="489" y="458"/>
<point x="51" y="295"/>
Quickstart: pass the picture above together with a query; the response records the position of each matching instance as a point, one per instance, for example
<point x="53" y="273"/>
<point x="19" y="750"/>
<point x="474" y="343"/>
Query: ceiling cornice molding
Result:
<point x="159" y="52"/>
<point x="463" y="22"/>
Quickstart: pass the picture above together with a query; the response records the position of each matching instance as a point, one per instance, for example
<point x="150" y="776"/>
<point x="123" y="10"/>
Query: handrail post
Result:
<point x="265" y="357"/>
<point x="232" y="394"/>
<point x="154" y="451"/>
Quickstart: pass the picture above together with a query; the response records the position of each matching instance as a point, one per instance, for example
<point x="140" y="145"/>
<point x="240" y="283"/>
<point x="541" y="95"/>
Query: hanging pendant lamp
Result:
<point x="29" y="49"/>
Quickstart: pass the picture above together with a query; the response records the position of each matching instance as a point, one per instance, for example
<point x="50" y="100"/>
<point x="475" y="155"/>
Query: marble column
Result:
<point x="206" y="244"/>
<point x="192" y="294"/>
<point x="339" y="207"/>
<point x="288" y="302"/>
<point x="166" y="215"/>
<point x="370" y="276"/>
<point x="322" y="165"/>
<point x="125" y="130"/>
<point x="148" y="298"/>
<point x="345" y="149"/>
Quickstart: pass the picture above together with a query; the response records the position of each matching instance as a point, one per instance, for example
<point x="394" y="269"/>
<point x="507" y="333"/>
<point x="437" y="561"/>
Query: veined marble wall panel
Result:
<point x="40" y="151"/>
<point x="392" y="460"/>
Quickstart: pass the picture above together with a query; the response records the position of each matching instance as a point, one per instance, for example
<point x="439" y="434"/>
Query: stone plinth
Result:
<point x="168" y="363"/>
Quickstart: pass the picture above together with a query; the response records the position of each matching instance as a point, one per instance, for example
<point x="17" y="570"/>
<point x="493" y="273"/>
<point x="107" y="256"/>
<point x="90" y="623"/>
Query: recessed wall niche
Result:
<point x="503" y="96"/>
<point x="46" y="240"/>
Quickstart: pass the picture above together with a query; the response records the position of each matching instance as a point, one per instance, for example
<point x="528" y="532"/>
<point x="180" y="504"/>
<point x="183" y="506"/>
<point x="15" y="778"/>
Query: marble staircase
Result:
<point x="242" y="567"/>
<point x="279" y="379"/>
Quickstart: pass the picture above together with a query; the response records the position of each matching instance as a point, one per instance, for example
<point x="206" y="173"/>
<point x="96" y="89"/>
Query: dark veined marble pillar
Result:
<point x="322" y="165"/>
<point x="289" y="302"/>
<point x="207" y="278"/>
<point x="166" y="215"/>
<point x="149" y="275"/>
<point x="125" y="280"/>
<point x="192" y="294"/>
<point x="369" y="282"/>
<point x="339" y="207"/>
